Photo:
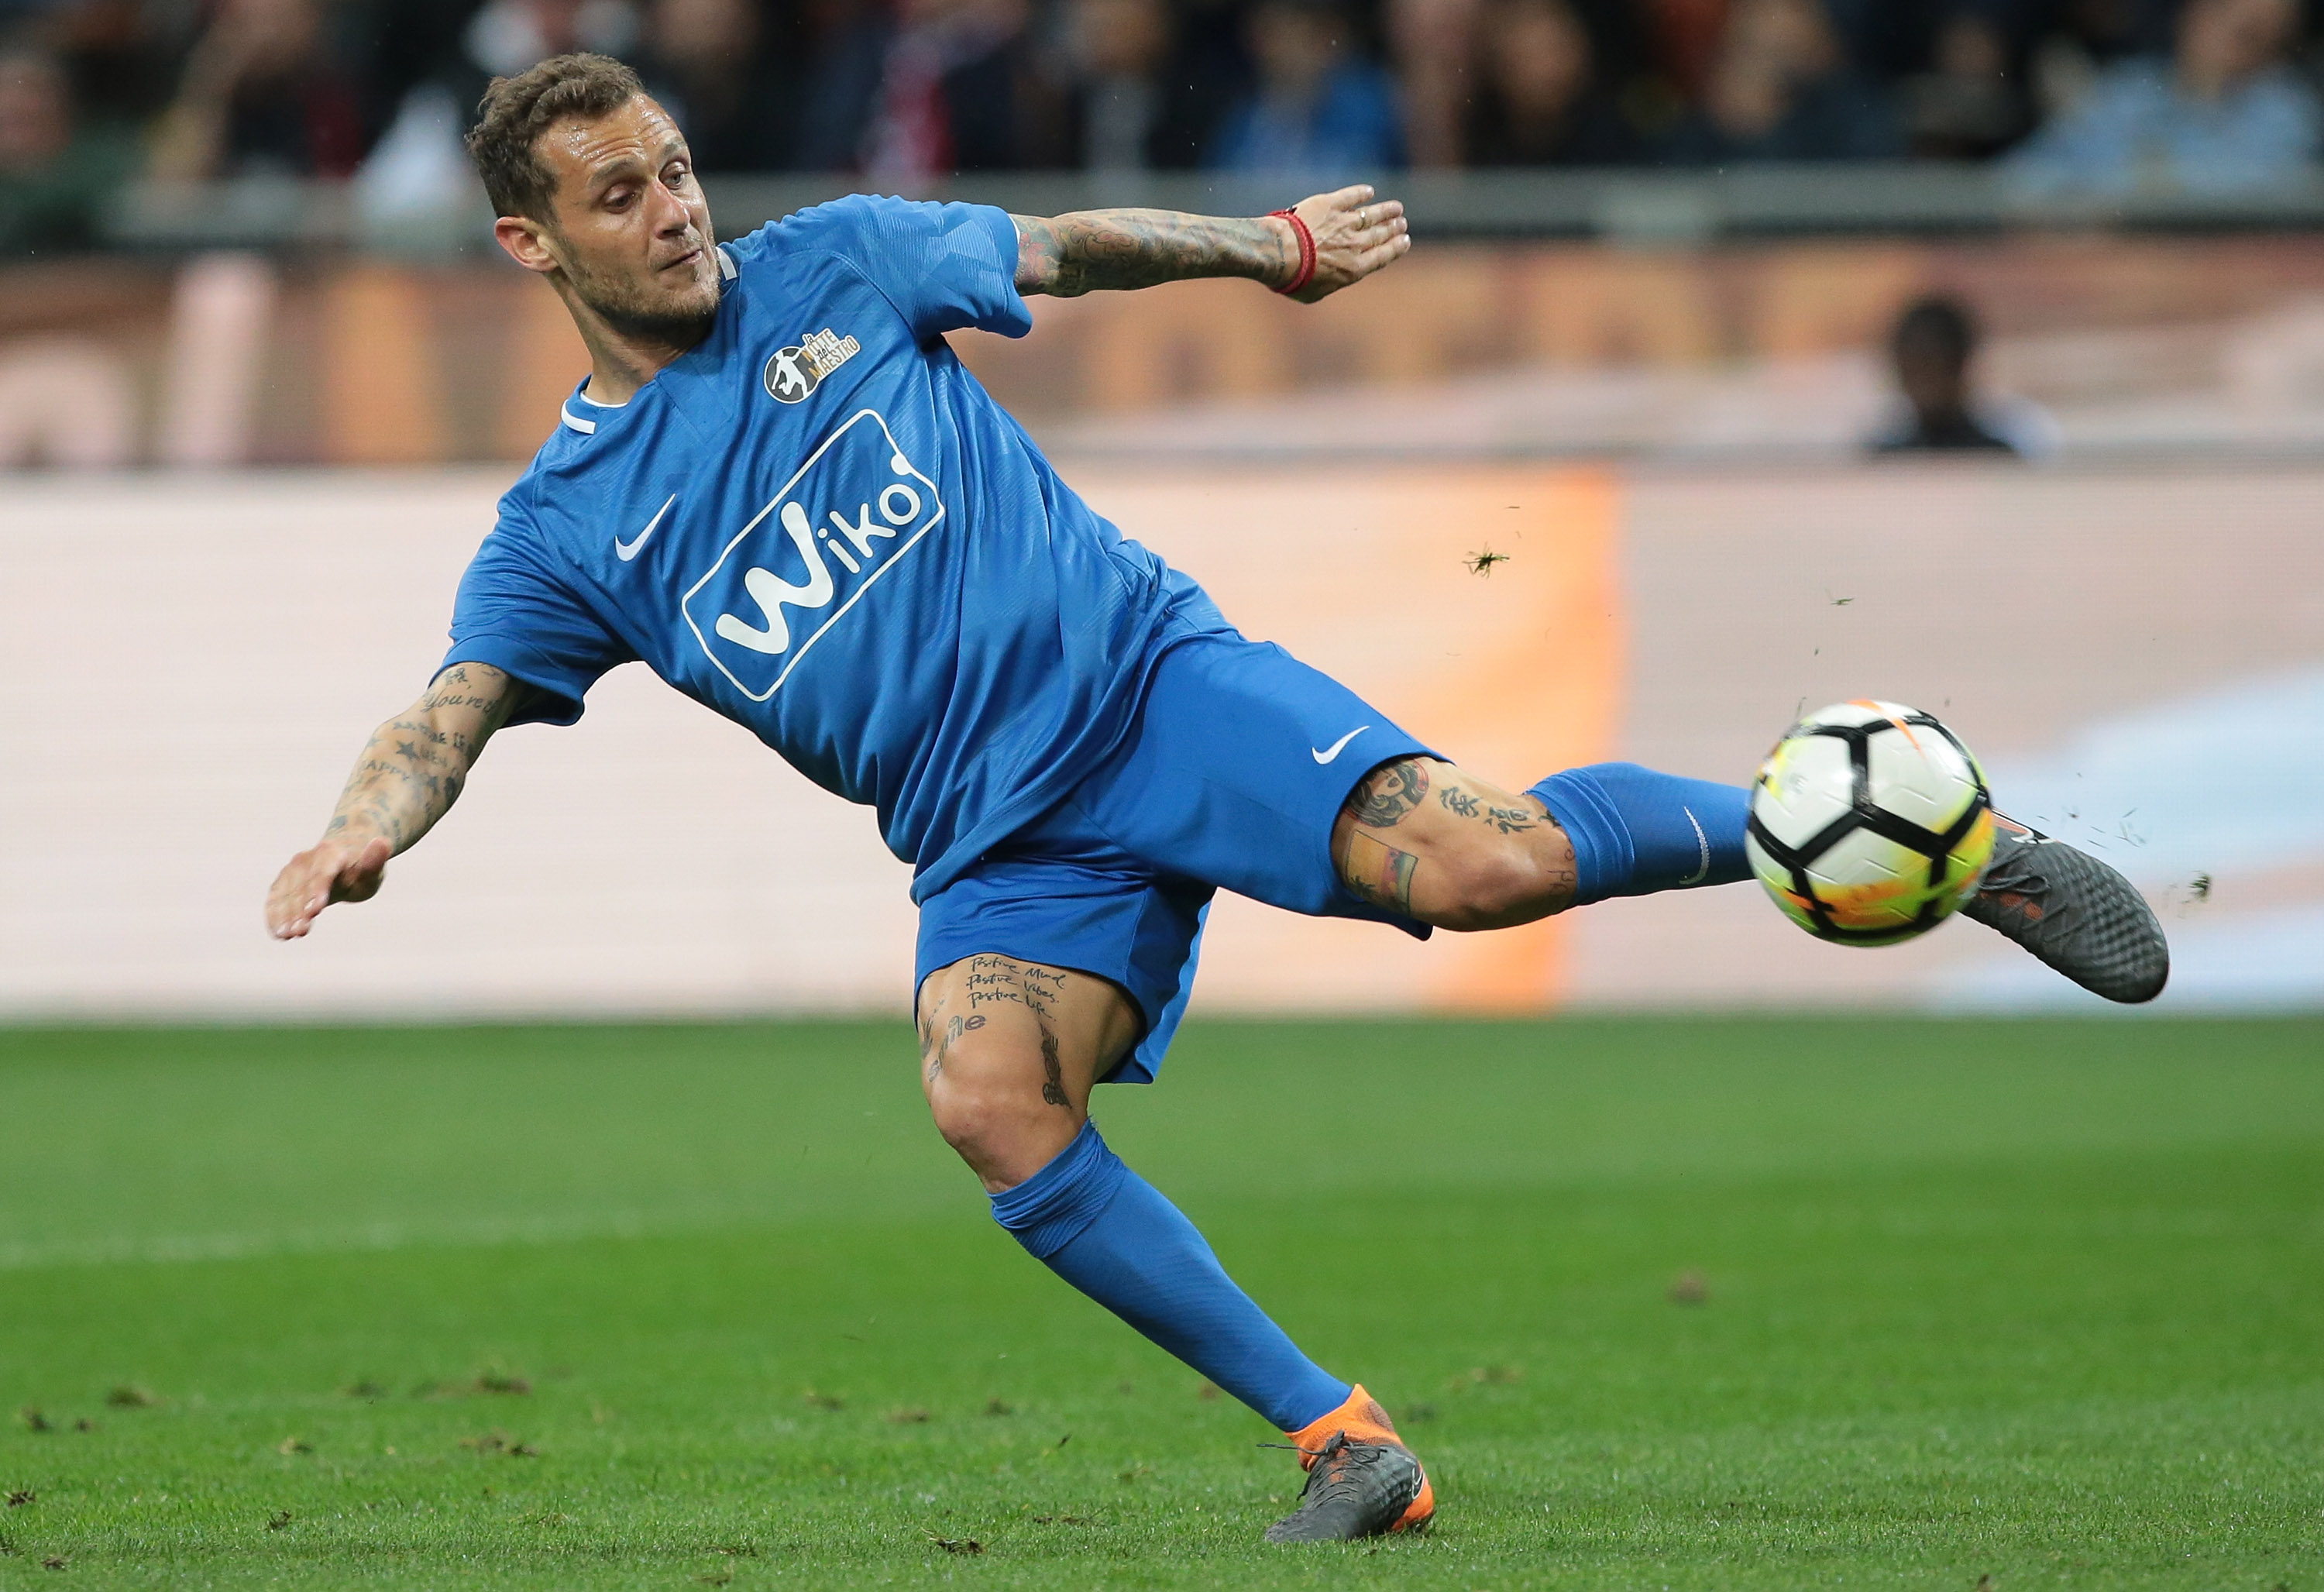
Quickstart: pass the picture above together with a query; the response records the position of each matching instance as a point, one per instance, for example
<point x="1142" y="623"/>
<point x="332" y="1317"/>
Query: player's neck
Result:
<point x="622" y="359"/>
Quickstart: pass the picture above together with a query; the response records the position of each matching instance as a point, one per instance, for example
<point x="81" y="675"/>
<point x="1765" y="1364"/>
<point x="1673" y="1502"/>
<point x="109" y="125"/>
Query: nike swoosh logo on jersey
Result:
<point x="625" y="551"/>
<point x="1338" y="746"/>
<point x="1702" y="840"/>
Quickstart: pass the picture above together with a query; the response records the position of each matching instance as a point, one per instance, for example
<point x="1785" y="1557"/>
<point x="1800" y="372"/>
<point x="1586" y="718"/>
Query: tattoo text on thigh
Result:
<point x="1383" y="796"/>
<point x="938" y="1050"/>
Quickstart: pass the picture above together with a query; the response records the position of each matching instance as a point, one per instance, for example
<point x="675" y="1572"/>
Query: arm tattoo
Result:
<point x="413" y="770"/>
<point x="1089" y="251"/>
<point x="1383" y="796"/>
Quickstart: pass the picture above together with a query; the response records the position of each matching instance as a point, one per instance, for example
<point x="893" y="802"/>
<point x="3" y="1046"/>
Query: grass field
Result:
<point x="678" y="1306"/>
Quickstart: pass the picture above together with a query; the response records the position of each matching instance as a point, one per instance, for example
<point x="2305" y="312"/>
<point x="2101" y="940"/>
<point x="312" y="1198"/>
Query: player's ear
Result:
<point x="521" y="236"/>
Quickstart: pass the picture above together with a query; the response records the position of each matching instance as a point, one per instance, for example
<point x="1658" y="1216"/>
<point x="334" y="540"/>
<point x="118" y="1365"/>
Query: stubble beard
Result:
<point x="680" y="319"/>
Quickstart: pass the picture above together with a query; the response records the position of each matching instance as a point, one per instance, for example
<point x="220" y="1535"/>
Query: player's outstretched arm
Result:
<point x="407" y="778"/>
<point x="1356" y="234"/>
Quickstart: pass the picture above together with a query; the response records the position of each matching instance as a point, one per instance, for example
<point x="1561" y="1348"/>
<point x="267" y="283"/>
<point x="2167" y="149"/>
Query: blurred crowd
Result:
<point x="2100" y="97"/>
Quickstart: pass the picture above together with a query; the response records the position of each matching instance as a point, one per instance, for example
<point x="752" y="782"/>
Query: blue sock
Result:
<point x="1636" y="832"/>
<point x="1110" y="1234"/>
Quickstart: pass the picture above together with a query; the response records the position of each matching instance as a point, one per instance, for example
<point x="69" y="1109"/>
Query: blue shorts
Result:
<point x="1229" y="778"/>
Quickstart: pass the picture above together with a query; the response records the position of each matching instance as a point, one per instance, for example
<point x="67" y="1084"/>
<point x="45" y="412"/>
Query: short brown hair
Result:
<point x="516" y="111"/>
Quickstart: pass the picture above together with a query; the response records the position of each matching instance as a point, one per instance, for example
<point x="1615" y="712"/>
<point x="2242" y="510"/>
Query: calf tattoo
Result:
<point x="1379" y="872"/>
<point x="1467" y="804"/>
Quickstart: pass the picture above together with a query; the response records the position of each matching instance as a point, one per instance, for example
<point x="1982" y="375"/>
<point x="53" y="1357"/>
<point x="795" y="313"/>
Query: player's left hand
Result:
<point x="1356" y="234"/>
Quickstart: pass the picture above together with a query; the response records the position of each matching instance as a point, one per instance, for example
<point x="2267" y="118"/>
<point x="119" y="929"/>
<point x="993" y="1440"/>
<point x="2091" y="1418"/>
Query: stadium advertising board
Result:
<point x="2123" y="648"/>
<point x="235" y="358"/>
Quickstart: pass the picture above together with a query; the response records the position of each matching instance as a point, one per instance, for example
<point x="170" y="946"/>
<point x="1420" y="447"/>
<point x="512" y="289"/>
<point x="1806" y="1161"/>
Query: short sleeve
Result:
<point x="944" y="267"/>
<point x="515" y="615"/>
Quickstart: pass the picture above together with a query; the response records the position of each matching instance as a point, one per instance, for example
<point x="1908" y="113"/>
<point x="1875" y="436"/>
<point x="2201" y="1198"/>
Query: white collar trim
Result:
<point x="585" y="427"/>
<point x="727" y="270"/>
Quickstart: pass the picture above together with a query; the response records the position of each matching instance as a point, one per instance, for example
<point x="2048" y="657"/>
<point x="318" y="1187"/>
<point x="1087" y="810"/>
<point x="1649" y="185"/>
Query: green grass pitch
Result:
<point x="678" y="1306"/>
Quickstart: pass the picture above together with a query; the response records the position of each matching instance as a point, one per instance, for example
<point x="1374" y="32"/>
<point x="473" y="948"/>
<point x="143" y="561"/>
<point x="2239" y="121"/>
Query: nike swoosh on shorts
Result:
<point x="625" y="551"/>
<point x="1338" y="746"/>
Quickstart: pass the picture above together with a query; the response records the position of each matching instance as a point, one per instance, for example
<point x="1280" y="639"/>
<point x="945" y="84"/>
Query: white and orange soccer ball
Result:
<point x="1870" y="822"/>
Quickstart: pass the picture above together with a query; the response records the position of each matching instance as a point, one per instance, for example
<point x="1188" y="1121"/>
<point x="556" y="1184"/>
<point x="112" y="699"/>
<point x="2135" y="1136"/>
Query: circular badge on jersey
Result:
<point x="791" y="375"/>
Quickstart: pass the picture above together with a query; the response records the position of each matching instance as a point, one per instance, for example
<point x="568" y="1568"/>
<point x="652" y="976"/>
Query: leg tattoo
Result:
<point x="993" y="980"/>
<point x="1053" y="1081"/>
<point x="1379" y="873"/>
<point x="1383" y="796"/>
<point x="1463" y="803"/>
<point x="939" y="1033"/>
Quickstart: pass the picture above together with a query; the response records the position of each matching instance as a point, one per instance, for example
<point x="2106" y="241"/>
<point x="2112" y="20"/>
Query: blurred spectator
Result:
<point x="2079" y="38"/>
<point x="1319" y="109"/>
<point x="2226" y="114"/>
<point x="958" y="91"/>
<point x="1435" y="44"/>
<point x="124" y="57"/>
<point x="1140" y="100"/>
<point x="1781" y="89"/>
<point x="1009" y="103"/>
<point x="706" y="61"/>
<point x="2132" y="93"/>
<point x="1686" y="41"/>
<point x="1119" y="50"/>
<point x="840" y="82"/>
<point x="262" y="92"/>
<point x="55" y="176"/>
<point x="1887" y="40"/>
<point x="1540" y="102"/>
<point x="1967" y="105"/>
<point x="1933" y="349"/>
<point x="506" y="36"/>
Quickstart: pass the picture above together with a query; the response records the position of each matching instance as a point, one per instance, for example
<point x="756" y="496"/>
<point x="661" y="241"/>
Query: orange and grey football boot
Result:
<point x="1361" y="1480"/>
<point x="2073" y="911"/>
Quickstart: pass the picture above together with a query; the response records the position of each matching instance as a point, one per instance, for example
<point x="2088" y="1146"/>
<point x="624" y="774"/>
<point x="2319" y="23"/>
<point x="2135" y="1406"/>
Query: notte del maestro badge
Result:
<point x="796" y="370"/>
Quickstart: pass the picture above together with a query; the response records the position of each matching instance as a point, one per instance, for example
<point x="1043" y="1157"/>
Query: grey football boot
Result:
<point x="2073" y="911"/>
<point x="1354" y="1489"/>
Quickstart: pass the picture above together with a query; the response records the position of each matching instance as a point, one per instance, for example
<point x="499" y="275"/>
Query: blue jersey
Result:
<point x="819" y="525"/>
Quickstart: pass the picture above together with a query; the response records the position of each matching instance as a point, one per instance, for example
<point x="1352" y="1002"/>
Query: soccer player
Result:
<point x="779" y="488"/>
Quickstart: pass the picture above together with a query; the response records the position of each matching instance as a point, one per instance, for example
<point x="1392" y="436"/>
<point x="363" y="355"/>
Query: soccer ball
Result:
<point x="1870" y="822"/>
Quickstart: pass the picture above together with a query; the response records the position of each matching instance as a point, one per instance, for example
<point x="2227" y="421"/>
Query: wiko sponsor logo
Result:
<point x="855" y="509"/>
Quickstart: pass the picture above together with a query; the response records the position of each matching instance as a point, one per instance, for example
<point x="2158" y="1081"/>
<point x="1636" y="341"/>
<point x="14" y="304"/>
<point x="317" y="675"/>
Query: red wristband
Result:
<point x="1306" y="252"/>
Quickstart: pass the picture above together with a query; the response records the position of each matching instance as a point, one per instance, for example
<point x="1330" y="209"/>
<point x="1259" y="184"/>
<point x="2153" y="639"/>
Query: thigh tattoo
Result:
<point x="998" y="980"/>
<point x="1379" y="872"/>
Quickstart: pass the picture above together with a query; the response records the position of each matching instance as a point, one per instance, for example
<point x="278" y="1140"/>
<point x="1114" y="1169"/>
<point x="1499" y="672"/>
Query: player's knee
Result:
<point x="985" y="1107"/>
<point x="973" y="1122"/>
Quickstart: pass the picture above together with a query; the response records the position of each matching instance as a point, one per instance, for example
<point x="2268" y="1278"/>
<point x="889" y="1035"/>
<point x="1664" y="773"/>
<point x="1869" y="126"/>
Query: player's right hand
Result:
<point x="334" y="870"/>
